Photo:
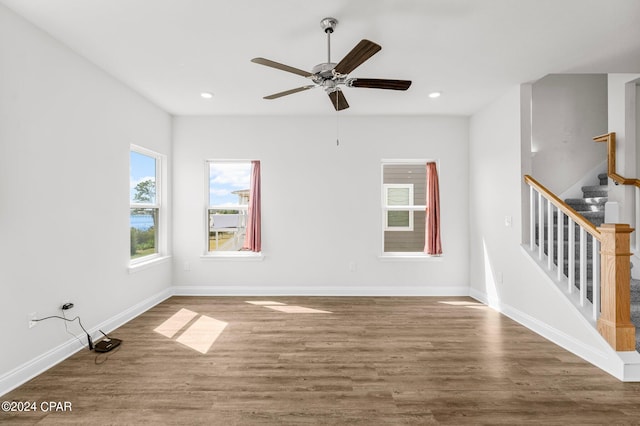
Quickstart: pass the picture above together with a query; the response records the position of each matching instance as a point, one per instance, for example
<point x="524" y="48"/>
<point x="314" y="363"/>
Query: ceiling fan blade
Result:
<point x="363" y="51"/>
<point x="379" y="83"/>
<point x="338" y="100"/>
<point x="279" y="66"/>
<point x="289" y="92"/>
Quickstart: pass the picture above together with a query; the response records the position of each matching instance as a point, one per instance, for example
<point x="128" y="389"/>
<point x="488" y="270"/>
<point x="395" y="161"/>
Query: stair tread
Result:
<point x="595" y="188"/>
<point x="587" y="200"/>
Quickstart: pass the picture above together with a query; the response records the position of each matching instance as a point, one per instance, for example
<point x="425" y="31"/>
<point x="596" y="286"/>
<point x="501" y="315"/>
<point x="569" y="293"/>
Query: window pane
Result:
<point x="398" y="219"/>
<point x="229" y="183"/>
<point x="227" y="229"/>
<point x="398" y="197"/>
<point x="413" y="174"/>
<point x="407" y="241"/>
<point x="143" y="225"/>
<point x="142" y="178"/>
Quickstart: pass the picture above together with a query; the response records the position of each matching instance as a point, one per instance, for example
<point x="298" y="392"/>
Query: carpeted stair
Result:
<point x="591" y="207"/>
<point x="635" y="309"/>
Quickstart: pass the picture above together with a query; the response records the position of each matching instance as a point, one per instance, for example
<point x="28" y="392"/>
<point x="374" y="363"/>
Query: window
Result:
<point x="403" y="205"/>
<point x="145" y="202"/>
<point x="410" y="208"/>
<point x="398" y="194"/>
<point x="233" y="208"/>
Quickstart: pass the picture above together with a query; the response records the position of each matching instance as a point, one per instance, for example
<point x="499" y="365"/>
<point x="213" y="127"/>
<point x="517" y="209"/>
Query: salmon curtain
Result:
<point x="252" y="239"/>
<point x="432" y="243"/>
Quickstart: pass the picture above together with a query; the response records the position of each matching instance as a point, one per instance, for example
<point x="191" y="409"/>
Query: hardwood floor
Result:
<point x="371" y="361"/>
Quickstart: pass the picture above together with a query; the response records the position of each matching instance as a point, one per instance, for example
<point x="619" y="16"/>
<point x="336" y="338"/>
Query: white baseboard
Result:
<point x="41" y="363"/>
<point x="624" y="366"/>
<point x="362" y="291"/>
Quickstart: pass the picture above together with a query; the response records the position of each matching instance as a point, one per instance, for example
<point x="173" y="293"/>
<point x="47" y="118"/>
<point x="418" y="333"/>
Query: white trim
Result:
<point x="410" y="257"/>
<point x="234" y="256"/>
<point x="208" y="207"/>
<point x="624" y="366"/>
<point x="384" y="208"/>
<point x="313" y="290"/>
<point x="43" y="362"/>
<point x="161" y="204"/>
<point x="395" y="161"/>
<point x="147" y="262"/>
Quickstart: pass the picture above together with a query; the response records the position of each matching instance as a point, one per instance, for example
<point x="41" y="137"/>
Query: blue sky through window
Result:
<point x="226" y="177"/>
<point x="142" y="167"/>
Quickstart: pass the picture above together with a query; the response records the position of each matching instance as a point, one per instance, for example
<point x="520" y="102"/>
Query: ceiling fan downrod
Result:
<point x="328" y="25"/>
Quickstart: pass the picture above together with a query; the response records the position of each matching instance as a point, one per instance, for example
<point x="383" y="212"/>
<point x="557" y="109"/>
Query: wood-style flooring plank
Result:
<point x="371" y="361"/>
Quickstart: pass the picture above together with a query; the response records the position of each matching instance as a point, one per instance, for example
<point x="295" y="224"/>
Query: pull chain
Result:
<point x="337" y="122"/>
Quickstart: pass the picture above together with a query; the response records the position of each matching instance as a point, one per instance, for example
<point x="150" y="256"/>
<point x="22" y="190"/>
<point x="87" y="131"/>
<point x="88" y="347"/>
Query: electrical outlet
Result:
<point x="31" y="318"/>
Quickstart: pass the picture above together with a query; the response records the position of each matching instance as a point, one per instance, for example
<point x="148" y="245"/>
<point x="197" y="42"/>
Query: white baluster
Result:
<point x="532" y="218"/>
<point x="571" y="264"/>
<point x="540" y="226"/>
<point x="560" y="245"/>
<point x="583" y="266"/>
<point x="550" y="242"/>
<point x="596" y="278"/>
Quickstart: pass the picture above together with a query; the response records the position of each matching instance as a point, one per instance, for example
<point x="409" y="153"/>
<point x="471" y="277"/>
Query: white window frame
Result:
<point x="223" y="255"/>
<point x="387" y="255"/>
<point x="388" y="208"/>
<point x="159" y="205"/>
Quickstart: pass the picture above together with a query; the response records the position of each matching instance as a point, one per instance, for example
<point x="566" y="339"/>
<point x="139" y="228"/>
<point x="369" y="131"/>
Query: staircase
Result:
<point x="591" y="207"/>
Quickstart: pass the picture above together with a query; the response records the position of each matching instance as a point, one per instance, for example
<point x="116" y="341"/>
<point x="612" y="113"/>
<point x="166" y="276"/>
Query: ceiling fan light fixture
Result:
<point x="330" y="75"/>
<point x="434" y="95"/>
<point x="206" y="95"/>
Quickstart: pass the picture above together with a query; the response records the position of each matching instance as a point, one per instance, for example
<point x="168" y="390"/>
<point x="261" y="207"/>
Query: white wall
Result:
<point x="621" y="106"/>
<point x="321" y="203"/>
<point x="501" y="273"/>
<point x="65" y="130"/>
<point x="568" y="111"/>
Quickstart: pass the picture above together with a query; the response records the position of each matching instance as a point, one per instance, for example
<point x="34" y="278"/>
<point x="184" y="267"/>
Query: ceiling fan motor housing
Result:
<point x="323" y="70"/>
<point x="328" y="24"/>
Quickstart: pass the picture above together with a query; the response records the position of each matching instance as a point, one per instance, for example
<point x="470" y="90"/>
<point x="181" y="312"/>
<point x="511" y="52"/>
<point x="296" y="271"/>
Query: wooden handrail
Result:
<point x="564" y="207"/>
<point x="614" y="323"/>
<point x="610" y="139"/>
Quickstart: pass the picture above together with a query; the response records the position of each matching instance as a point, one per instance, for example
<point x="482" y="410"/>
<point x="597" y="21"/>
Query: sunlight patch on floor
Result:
<point x="199" y="336"/>
<point x="461" y="303"/>
<point x="174" y="324"/>
<point x="297" y="310"/>
<point x="283" y="307"/>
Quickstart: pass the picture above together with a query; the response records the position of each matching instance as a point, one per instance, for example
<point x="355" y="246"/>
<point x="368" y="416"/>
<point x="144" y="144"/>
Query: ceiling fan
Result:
<point x="331" y="76"/>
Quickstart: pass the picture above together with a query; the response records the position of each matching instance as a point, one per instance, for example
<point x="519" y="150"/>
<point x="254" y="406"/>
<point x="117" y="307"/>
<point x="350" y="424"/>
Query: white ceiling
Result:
<point x="471" y="50"/>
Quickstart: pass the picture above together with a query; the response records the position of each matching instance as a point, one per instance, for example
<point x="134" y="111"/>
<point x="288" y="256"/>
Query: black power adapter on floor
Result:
<point x="107" y="344"/>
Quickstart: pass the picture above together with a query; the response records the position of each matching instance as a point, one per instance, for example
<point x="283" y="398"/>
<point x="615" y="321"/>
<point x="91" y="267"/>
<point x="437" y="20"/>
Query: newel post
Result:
<point x="615" y="320"/>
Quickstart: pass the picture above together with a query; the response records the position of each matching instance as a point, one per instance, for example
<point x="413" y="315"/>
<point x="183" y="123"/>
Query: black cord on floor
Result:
<point x="69" y="320"/>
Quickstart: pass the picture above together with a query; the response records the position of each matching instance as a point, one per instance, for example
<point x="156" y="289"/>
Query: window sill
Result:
<point x="245" y="256"/>
<point x="410" y="257"/>
<point x="148" y="263"/>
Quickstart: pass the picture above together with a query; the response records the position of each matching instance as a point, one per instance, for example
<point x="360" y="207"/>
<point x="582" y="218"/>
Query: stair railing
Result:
<point x="612" y="173"/>
<point x="610" y="262"/>
<point x="610" y="140"/>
